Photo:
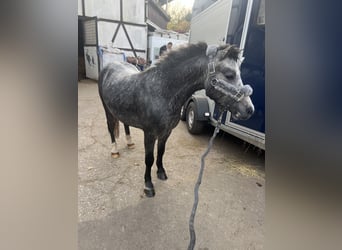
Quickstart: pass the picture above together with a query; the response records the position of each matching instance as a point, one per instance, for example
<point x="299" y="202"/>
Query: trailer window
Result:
<point x="200" y="5"/>
<point x="236" y="21"/>
<point x="261" y="13"/>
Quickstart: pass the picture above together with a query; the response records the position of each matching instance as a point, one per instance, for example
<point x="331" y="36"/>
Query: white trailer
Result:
<point x="239" y="22"/>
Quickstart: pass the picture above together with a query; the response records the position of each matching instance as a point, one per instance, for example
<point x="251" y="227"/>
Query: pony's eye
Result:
<point x="230" y="76"/>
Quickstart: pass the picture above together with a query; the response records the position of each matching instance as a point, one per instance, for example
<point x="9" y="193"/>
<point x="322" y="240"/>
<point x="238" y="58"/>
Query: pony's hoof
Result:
<point x="149" y="189"/>
<point x="130" y="145"/>
<point x="115" y="155"/>
<point x="162" y="176"/>
<point x="149" y="192"/>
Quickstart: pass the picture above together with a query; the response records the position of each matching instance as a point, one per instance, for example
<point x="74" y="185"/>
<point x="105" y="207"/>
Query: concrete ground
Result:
<point x="115" y="214"/>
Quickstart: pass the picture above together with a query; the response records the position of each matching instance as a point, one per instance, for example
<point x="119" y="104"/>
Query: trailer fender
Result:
<point x="202" y="107"/>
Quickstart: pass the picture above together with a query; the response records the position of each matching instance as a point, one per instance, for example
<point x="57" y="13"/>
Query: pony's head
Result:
<point x="224" y="84"/>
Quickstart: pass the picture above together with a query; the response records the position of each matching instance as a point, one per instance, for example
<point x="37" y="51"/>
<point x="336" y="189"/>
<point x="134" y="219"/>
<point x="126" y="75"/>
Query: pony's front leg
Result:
<point x="149" y="141"/>
<point x="161" y="150"/>
<point x="130" y="144"/>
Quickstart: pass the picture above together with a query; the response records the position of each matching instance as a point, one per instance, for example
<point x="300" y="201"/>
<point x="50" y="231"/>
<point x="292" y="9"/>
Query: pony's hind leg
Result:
<point x="149" y="141"/>
<point x="130" y="144"/>
<point x="112" y="124"/>
<point x="111" y="128"/>
<point x="161" y="174"/>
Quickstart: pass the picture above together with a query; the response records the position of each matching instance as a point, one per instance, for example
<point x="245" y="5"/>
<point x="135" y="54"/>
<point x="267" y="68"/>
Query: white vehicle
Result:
<point x="239" y="22"/>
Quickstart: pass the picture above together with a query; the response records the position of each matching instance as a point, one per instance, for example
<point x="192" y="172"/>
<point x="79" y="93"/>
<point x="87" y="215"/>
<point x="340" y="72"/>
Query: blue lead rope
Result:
<point x="198" y="183"/>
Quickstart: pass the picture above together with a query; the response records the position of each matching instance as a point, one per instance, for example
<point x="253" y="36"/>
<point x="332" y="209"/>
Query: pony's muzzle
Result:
<point x="250" y="110"/>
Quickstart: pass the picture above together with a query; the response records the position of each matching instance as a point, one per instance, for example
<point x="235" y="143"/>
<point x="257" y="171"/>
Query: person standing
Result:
<point x="165" y="48"/>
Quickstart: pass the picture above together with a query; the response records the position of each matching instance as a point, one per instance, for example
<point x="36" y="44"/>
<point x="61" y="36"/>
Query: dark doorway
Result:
<point x="81" y="64"/>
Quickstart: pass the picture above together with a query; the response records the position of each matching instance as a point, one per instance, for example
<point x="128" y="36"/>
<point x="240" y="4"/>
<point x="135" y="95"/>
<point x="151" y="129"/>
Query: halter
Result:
<point x="236" y="94"/>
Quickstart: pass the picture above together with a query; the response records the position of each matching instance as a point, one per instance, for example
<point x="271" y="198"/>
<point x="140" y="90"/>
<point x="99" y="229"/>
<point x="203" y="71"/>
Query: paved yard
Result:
<point x="115" y="214"/>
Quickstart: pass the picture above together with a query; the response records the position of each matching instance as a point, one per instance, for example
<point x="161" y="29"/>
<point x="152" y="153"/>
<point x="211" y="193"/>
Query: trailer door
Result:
<point x="253" y="66"/>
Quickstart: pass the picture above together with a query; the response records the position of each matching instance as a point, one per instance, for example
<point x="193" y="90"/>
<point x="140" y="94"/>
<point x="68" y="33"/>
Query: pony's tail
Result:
<point x="109" y="116"/>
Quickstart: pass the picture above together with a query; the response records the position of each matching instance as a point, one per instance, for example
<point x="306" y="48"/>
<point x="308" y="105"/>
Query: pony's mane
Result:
<point x="232" y="51"/>
<point x="184" y="52"/>
<point x="181" y="53"/>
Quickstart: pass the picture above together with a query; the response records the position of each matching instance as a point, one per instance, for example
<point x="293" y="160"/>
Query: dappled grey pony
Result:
<point x="151" y="100"/>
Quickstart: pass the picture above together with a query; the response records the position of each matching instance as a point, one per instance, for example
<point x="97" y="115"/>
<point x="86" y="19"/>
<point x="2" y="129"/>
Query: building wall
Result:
<point x="79" y="8"/>
<point x="109" y="9"/>
<point x="109" y="17"/>
<point x="117" y="26"/>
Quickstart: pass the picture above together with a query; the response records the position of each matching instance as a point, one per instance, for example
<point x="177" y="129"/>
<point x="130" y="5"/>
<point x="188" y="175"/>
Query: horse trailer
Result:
<point x="242" y="23"/>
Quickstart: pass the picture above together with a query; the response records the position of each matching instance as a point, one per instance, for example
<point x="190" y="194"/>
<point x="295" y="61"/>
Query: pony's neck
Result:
<point x="185" y="78"/>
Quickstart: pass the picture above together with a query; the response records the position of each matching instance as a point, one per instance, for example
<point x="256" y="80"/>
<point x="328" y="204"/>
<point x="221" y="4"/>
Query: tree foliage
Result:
<point x="180" y="18"/>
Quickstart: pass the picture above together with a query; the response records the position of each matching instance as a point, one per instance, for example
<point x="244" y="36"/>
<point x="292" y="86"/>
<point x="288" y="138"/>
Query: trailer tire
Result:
<point x="183" y="113"/>
<point x="192" y="123"/>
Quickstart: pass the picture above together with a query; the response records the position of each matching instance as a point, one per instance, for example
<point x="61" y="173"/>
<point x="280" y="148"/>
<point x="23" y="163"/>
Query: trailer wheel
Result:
<point x="183" y="113"/>
<point x="193" y="124"/>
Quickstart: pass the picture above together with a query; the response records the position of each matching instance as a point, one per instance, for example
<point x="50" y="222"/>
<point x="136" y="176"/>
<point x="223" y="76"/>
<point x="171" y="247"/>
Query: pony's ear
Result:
<point x="230" y="51"/>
